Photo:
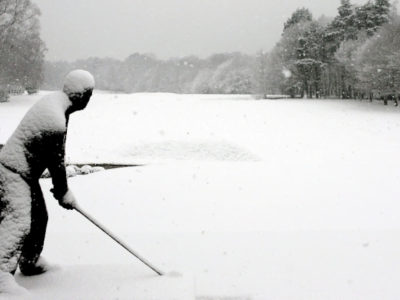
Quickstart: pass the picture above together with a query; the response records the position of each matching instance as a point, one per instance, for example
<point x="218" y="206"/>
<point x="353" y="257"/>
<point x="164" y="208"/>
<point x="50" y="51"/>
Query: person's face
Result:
<point x="80" y="102"/>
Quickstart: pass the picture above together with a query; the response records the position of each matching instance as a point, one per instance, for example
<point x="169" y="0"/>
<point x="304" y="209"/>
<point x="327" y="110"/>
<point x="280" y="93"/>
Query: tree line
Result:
<point x="353" y="55"/>
<point x="225" y="73"/>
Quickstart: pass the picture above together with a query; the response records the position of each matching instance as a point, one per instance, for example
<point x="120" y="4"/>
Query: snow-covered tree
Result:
<point x="201" y="84"/>
<point x="381" y="12"/>
<point x="260" y="73"/>
<point x="346" y="57"/>
<point x="344" y="25"/>
<point x="137" y="65"/>
<point x="378" y="62"/>
<point x="233" y="76"/>
<point x="300" y="15"/>
<point x="282" y="59"/>
<point x="299" y="59"/>
<point x="21" y="49"/>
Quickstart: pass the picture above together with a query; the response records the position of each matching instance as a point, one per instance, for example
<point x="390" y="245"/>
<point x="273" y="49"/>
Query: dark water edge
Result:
<point x="105" y="166"/>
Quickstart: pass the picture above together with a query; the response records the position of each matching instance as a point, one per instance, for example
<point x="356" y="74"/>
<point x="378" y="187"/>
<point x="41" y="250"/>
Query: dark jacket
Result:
<point x="39" y="142"/>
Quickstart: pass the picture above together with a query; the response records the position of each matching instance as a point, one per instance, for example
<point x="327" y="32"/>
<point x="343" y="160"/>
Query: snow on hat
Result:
<point x="77" y="82"/>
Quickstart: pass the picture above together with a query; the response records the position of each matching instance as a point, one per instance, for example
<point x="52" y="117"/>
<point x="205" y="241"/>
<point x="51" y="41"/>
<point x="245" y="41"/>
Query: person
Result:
<point x="37" y="143"/>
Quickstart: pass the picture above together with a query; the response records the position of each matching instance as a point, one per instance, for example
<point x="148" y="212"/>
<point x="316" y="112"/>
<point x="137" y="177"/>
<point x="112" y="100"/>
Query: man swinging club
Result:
<point x="37" y="143"/>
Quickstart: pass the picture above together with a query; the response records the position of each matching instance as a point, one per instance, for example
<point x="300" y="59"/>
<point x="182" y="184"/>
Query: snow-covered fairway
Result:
<point x="270" y="199"/>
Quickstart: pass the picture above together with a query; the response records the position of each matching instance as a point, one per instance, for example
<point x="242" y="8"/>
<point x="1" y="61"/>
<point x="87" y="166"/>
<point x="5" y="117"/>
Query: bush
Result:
<point x="31" y="90"/>
<point x="4" y="96"/>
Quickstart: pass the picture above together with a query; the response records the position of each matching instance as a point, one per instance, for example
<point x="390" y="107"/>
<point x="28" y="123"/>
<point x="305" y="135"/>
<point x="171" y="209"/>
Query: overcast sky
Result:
<point x="77" y="29"/>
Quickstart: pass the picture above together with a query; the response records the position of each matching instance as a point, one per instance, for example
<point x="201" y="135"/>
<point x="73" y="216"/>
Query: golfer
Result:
<point x="37" y="143"/>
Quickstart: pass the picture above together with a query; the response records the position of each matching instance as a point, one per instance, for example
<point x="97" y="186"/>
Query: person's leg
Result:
<point x="15" y="218"/>
<point x="30" y="262"/>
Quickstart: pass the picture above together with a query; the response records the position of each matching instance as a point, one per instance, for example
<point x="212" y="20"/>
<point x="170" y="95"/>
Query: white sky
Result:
<point x="76" y="29"/>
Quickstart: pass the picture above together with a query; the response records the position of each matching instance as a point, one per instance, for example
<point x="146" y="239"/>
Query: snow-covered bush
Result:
<point x="73" y="170"/>
<point x="31" y="90"/>
<point x="89" y="169"/>
<point x="201" y="84"/>
<point x="232" y="77"/>
<point x="86" y="169"/>
<point x="4" y="96"/>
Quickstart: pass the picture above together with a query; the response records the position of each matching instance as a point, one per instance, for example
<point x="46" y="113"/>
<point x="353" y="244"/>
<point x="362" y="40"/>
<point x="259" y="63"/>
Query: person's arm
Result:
<point x="56" y="166"/>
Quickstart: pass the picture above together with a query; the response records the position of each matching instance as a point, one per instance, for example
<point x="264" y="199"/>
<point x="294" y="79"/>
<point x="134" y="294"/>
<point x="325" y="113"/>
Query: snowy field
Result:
<point x="233" y="198"/>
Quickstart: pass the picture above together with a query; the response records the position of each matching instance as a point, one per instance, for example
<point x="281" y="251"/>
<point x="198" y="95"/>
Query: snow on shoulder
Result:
<point x="78" y="81"/>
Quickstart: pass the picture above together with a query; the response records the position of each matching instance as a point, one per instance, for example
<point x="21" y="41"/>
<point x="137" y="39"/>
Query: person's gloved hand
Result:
<point x="68" y="201"/>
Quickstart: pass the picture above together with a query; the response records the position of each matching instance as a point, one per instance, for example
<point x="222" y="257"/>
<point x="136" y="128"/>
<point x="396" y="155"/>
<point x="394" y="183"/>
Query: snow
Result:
<point x="125" y="281"/>
<point x="78" y="81"/>
<point x="11" y="287"/>
<point x="246" y="199"/>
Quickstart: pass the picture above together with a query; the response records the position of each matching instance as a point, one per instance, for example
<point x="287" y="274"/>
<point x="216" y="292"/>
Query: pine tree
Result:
<point x="345" y="9"/>
<point x="365" y="15"/>
<point x="382" y="10"/>
<point x="299" y="16"/>
<point x="344" y="26"/>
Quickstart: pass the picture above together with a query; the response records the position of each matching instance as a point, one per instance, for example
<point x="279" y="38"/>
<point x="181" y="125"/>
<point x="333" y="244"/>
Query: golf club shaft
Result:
<point x="115" y="238"/>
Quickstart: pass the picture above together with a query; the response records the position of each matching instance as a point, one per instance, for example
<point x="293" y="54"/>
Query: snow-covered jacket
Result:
<point x="39" y="142"/>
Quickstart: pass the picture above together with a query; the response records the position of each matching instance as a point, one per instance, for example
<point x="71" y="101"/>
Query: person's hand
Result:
<point x="68" y="201"/>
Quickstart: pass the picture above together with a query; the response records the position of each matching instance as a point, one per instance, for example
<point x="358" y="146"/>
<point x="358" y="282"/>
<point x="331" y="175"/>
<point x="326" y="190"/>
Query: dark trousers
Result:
<point x="23" y="221"/>
<point x="33" y="243"/>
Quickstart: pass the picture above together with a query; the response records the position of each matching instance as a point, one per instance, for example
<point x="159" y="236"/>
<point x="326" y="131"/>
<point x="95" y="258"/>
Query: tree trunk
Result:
<point x="343" y="83"/>
<point x="317" y="81"/>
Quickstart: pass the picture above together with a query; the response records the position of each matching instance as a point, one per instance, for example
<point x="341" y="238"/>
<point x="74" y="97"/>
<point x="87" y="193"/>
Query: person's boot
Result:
<point x="28" y="268"/>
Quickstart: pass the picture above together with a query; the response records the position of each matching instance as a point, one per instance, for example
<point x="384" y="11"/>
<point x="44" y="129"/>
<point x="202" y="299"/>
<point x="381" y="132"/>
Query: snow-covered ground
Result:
<point x="246" y="199"/>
